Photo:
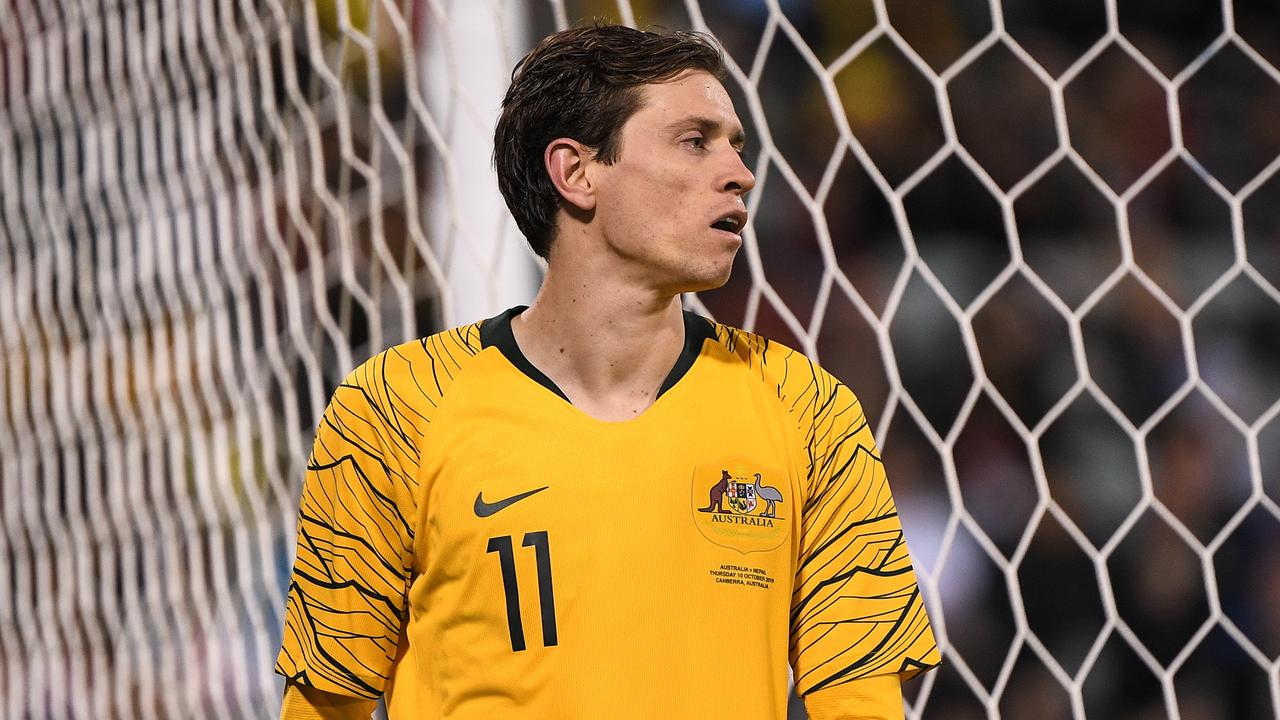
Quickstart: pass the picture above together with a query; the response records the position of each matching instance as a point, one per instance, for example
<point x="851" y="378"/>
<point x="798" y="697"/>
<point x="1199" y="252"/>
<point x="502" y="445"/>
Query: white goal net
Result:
<point x="1041" y="240"/>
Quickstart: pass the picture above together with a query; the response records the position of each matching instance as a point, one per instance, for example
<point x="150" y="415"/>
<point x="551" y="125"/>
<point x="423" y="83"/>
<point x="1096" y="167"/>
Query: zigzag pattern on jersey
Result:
<point x="357" y="516"/>
<point x="856" y="606"/>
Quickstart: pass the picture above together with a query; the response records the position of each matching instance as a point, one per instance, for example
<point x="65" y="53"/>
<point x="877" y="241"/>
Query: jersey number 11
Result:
<point x="546" y="597"/>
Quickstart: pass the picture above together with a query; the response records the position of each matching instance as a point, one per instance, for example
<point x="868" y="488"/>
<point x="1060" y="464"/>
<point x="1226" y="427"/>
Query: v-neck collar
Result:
<point x="496" y="332"/>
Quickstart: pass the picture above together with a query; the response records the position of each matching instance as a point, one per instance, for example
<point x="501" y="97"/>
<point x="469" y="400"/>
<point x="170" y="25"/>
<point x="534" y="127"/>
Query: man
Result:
<point x="506" y="519"/>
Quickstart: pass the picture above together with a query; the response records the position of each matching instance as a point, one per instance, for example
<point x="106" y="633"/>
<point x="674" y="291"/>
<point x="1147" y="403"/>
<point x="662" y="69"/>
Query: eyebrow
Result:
<point x="737" y="137"/>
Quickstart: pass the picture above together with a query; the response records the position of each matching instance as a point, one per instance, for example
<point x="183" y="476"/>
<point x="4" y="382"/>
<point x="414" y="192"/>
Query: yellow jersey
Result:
<point x="474" y="546"/>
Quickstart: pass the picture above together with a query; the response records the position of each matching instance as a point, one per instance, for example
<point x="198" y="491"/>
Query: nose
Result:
<point x="739" y="179"/>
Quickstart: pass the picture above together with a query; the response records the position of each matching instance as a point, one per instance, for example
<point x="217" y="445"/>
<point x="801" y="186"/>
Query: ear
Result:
<point x="566" y="161"/>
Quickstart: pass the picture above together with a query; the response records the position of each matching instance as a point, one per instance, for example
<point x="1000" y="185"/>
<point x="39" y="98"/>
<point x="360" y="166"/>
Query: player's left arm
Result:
<point x="878" y="697"/>
<point x="858" y="621"/>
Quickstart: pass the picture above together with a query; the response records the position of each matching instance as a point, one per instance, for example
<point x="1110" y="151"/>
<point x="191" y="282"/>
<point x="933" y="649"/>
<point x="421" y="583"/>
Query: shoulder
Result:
<point x="819" y="403"/>
<point x="789" y="372"/>
<point x="416" y="374"/>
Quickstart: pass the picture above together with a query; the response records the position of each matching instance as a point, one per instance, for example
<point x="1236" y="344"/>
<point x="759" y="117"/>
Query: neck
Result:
<point x="607" y="344"/>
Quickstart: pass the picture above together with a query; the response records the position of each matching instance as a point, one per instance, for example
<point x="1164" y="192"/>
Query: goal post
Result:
<point x="1036" y="239"/>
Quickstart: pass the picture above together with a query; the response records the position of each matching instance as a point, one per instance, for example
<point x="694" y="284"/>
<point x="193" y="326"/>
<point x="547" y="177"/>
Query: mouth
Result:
<point x="731" y="222"/>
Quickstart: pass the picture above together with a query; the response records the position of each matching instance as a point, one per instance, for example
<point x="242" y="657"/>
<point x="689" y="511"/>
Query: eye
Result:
<point x="697" y="142"/>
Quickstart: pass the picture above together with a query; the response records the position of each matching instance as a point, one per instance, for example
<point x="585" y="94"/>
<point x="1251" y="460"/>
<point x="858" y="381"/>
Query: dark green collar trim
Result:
<point x="496" y="332"/>
<point x="696" y="330"/>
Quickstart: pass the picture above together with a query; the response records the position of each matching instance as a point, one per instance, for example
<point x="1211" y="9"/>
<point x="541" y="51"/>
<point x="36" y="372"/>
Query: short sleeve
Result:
<point x="346" y="603"/>
<point x="856" y="608"/>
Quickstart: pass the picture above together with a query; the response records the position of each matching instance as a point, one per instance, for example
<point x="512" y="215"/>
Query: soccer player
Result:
<point x="602" y="506"/>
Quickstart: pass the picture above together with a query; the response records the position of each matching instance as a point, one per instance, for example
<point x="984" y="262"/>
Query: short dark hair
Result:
<point x="582" y="83"/>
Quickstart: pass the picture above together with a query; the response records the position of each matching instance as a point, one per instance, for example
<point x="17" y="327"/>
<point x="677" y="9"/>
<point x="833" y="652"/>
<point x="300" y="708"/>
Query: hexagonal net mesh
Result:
<point x="1040" y="240"/>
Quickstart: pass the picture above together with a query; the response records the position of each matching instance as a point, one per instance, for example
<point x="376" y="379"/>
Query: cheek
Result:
<point x="651" y="200"/>
<point x="655" y="200"/>
<point x="673" y="190"/>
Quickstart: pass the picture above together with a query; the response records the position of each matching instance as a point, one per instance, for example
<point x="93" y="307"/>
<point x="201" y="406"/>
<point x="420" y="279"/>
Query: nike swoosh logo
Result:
<point x="484" y="509"/>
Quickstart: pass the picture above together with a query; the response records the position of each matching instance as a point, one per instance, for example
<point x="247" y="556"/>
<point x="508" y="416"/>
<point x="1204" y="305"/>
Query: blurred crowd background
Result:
<point x="1049" y="269"/>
